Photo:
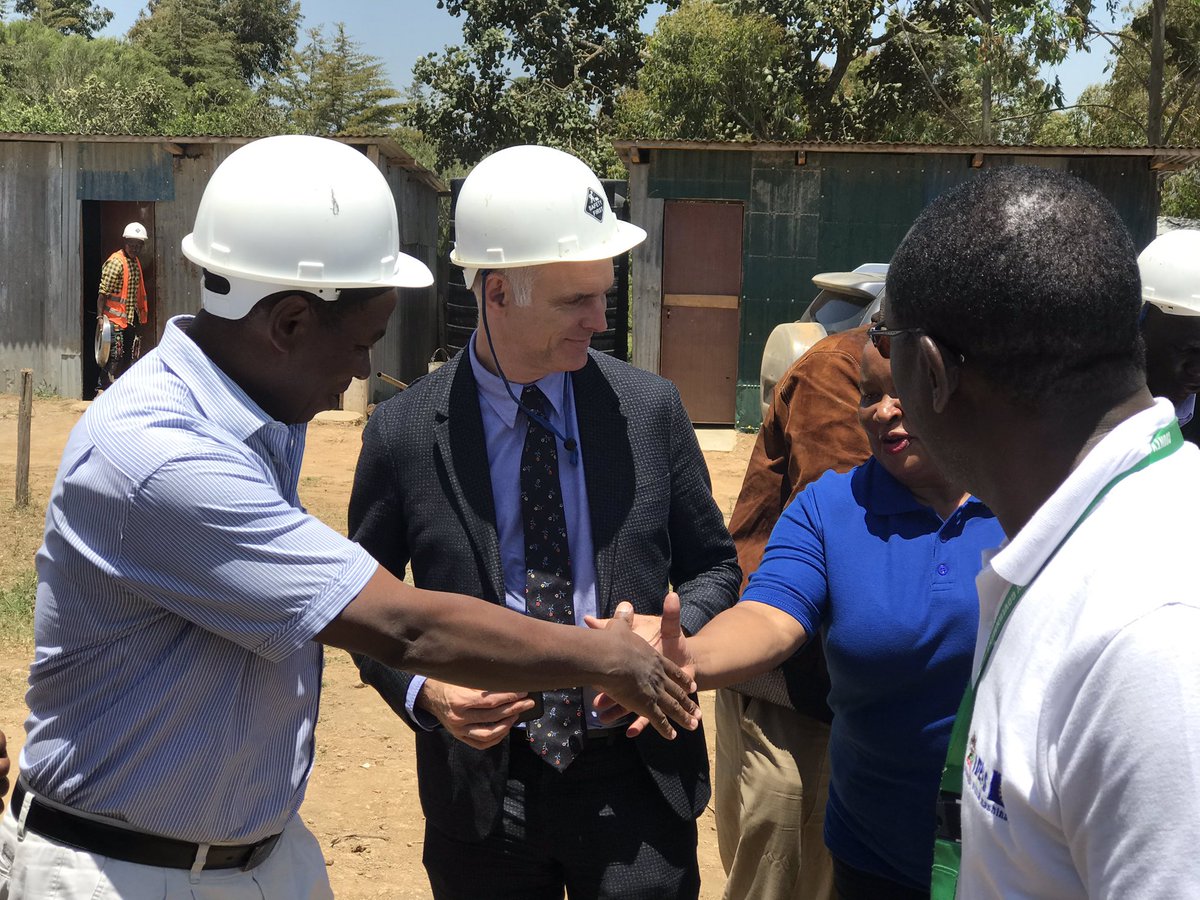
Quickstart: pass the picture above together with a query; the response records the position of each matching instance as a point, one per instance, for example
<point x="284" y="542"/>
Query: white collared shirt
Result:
<point x="1082" y="775"/>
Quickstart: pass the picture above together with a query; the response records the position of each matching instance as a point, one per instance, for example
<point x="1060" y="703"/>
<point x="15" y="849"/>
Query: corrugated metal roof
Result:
<point x="1159" y="157"/>
<point x="387" y="147"/>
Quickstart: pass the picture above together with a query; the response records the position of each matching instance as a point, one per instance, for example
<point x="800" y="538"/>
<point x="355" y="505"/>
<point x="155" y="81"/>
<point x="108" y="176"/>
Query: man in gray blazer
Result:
<point x="538" y="474"/>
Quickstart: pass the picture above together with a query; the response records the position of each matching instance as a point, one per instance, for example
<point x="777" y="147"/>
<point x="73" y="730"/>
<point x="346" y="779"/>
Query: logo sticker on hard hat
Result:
<point x="595" y="206"/>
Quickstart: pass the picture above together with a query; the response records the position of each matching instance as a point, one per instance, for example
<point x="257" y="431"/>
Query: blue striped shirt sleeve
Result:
<point x="211" y="539"/>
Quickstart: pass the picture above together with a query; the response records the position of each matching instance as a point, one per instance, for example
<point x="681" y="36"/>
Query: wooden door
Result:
<point x="702" y="287"/>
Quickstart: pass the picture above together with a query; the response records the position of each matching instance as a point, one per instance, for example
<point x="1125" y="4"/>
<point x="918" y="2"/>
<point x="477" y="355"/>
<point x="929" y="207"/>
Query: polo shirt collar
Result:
<point x="493" y="392"/>
<point x="221" y="399"/>
<point x="1019" y="561"/>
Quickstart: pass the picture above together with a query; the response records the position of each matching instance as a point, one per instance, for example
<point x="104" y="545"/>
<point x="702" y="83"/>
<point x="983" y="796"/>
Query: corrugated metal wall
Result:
<point x="413" y="330"/>
<point x="40" y="270"/>
<point x="42" y="186"/>
<point x="841" y="209"/>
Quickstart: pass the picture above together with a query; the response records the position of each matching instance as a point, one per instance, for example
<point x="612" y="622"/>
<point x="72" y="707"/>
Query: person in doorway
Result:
<point x="1015" y="346"/>
<point x="556" y="481"/>
<point x="772" y="757"/>
<point x="184" y="594"/>
<point x="1170" y="271"/>
<point x="123" y="302"/>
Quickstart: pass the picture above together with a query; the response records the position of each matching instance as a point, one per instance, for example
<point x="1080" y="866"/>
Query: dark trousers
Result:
<point x="601" y="829"/>
<point x="123" y="353"/>
<point x="850" y="883"/>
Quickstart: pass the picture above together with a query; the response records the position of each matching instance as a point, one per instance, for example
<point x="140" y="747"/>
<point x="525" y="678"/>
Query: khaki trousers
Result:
<point x="772" y="780"/>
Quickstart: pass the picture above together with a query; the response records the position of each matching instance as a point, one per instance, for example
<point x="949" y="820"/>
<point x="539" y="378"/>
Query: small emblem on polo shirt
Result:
<point x="594" y="206"/>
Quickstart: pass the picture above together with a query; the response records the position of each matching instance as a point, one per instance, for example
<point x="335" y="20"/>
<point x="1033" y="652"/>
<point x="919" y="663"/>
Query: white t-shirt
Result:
<point x="1082" y="775"/>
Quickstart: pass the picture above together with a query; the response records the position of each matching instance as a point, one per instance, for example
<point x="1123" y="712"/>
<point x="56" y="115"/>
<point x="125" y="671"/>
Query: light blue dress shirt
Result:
<point x="504" y="429"/>
<point x="176" y="681"/>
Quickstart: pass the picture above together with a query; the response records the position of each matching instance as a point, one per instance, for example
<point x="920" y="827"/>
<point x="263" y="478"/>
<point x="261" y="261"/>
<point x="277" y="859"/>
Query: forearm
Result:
<point x="744" y="641"/>
<point x="467" y="641"/>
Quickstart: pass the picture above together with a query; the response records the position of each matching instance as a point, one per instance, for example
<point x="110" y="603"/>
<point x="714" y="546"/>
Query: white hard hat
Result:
<point x="296" y="211"/>
<point x="134" y="231"/>
<point x="528" y="206"/>
<point x="1170" y="268"/>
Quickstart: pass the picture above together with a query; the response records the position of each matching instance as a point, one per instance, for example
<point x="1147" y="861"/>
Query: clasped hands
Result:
<point x="482" y="719"/>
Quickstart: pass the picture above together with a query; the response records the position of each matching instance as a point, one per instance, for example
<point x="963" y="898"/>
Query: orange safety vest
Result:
<point x="115" y="309"/>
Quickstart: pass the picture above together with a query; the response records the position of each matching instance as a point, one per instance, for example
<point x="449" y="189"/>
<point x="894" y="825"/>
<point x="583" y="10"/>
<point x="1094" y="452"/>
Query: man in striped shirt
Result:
<point x="184" y="593"/>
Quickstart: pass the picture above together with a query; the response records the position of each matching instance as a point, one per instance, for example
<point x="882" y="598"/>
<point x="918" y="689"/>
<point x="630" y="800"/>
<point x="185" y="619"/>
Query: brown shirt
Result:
<point x="811" y="427"/>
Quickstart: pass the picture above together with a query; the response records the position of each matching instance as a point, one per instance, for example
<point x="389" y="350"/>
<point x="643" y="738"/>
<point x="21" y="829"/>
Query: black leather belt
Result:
<point x="133" y="846"/>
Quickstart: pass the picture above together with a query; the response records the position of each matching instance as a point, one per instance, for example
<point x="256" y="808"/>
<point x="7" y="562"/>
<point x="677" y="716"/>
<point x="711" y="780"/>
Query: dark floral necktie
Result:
<point x="557" y="737"/>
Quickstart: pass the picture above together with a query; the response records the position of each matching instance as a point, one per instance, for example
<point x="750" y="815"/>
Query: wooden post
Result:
<point x="24" y="427"/>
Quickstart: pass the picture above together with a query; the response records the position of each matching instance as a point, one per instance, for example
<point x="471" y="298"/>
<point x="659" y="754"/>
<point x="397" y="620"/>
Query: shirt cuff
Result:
<point x="424" y="720"/>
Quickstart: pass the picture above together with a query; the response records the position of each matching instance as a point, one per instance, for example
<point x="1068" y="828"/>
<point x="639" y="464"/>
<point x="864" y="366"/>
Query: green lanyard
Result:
<point x="947" y="847"/>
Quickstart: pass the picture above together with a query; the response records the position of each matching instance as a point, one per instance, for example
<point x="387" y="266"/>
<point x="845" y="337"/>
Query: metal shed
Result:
<point x="737" y="230"/>
<point x="64" y="200"/>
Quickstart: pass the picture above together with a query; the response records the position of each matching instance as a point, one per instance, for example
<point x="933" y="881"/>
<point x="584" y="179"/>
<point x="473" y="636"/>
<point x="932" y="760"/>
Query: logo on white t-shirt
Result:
<point x="987" y="784"/>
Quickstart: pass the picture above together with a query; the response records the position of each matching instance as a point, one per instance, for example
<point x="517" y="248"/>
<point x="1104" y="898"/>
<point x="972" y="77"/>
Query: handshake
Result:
<point x="482" y="719"/>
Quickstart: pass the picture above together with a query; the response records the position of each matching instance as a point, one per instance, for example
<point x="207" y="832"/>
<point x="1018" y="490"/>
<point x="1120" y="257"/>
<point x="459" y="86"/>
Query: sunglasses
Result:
<point x="881" y="339"/>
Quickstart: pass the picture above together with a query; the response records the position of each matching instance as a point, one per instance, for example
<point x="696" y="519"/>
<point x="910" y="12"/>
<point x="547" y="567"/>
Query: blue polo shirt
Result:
<point x="891" y="589"/>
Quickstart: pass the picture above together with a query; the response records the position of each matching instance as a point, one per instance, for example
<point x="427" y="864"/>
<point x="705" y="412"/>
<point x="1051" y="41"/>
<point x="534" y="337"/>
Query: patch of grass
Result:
<point x="16" y="608"/>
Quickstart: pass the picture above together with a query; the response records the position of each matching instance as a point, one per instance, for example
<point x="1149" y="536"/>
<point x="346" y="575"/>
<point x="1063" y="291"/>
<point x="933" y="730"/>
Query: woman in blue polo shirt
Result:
<point x="881" y="561"/>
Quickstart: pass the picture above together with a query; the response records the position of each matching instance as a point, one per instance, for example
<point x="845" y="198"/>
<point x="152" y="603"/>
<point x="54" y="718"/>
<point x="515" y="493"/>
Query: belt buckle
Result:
<point x="260" y="852"/>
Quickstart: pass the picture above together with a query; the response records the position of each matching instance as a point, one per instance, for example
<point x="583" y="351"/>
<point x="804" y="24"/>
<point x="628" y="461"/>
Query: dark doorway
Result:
<point x="103" y="221"/>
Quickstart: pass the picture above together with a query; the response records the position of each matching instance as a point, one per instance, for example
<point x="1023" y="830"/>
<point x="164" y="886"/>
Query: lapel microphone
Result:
<point x="569" y="443"/>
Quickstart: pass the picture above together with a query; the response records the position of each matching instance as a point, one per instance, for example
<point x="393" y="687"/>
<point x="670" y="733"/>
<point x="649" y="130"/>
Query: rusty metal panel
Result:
<point x="125" y="171"/>
<point x="700" y="354"/>
<point x="702" y="247"/>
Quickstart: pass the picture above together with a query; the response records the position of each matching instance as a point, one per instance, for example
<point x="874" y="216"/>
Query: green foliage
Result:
<point x="1181" y="193"/>
<point x="264" y="34"/>
<point x="187" y="37"/>
<point x="1117" y="112"/>
<point x="713" y="75"/>
<point x="332" y="87"/>
<point x="16" y="608"/>
<point x="529" y="71"/>
<point x="81" y="17"/>
<point x="67" y="84"/>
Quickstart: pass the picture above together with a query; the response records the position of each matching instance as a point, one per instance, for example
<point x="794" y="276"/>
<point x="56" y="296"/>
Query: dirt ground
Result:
<point x="362" y="799"/>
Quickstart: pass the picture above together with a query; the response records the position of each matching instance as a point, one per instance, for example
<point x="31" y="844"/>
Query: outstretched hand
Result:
<point x="663" y="633"/>
<point x="649" y="684"/>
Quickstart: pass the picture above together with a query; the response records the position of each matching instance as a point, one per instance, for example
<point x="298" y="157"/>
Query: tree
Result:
<point x="81" y="17"/>
<point x="50" y="82"/>
<point x="1152" y="94"/>
<point x="710" y="74"/>
<point x="332" y="87"/>
<point x="264" y="34"/>
<point x="961" y="71"/>
<point x="529" y="71"/>
<point x="189" y="40"/>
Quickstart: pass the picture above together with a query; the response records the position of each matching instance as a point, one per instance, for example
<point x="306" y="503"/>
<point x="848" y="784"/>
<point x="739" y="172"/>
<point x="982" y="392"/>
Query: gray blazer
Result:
<point x="423" y="495"/>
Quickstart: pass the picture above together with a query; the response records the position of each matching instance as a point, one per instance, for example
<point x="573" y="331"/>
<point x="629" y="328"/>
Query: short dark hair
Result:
<point x="328" y="311"/>
<point x="1032" y="276"/>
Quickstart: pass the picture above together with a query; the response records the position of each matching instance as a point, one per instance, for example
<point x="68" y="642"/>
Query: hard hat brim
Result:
<point x="626" y="237"/>
<point x="408" y="271"/>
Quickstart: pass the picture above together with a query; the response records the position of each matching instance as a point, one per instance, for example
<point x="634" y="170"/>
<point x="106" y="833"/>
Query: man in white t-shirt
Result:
<point x="1012" y="325"/>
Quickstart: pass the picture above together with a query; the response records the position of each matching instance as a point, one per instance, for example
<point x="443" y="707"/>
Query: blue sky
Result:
<point x="399" y="31"/>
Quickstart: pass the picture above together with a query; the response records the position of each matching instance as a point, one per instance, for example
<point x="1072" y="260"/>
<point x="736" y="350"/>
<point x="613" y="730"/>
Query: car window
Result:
<point x="836" y="312"/>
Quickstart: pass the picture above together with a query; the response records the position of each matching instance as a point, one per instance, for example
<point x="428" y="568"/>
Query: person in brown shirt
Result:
<point x="772" y="770"/>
